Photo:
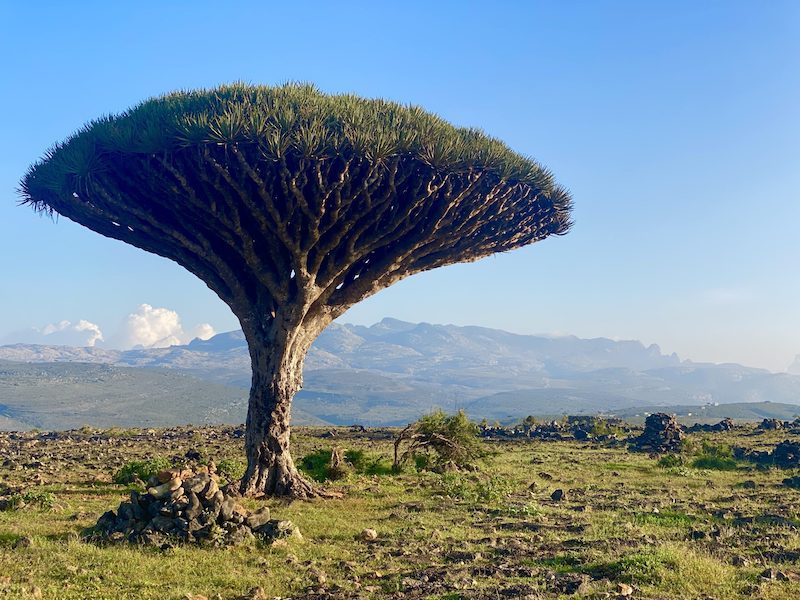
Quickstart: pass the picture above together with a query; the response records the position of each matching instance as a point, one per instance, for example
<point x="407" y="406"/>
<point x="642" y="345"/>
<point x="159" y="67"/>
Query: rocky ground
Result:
<point x="537" y="519"/>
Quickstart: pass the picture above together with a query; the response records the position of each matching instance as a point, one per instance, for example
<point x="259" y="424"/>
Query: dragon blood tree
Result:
<point x="292" y="206"/>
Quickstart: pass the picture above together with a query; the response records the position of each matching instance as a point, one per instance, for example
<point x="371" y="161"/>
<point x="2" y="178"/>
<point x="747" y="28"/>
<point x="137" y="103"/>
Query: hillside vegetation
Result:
<point x="69" y="395"/>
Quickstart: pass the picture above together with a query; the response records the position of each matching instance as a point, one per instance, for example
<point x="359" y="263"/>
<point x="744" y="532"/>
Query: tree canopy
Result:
<point x="301" y="172"/>
<point x="280" y="120"/>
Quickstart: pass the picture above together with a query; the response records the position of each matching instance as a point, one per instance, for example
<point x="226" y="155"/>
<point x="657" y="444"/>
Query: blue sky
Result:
<point x="675" y="125"/>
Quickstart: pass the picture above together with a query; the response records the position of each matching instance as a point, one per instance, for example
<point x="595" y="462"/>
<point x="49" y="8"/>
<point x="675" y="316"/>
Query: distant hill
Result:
<point x="69" y="395"/>
<point x="393" y="371"/>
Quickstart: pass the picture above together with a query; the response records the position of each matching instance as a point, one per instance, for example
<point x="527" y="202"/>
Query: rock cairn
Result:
<point x="662" y="433"/>
<point x="186" y="506"/>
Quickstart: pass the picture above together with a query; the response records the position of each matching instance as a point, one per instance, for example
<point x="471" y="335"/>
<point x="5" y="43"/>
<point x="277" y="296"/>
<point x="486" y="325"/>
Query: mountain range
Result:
<point x="385" y="374"/>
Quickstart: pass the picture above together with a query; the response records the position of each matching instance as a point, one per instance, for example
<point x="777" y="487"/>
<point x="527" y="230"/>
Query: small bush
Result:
<point x="470" y="488"/>
<point x="602" y="427"/>
<point x="231" y="470"/>
<point x="368" y="464"/>
<point x="527" y="510"/>
<point x="119" y="432"/>
<point x="644" y="567"/>
<point x="457" y="486"/>
<point x="422" y="462"/>
<point x="14" y="502"/>
<point x="42" y="499"/>
<point x="317" y="465"/>
<point x="715" y="463"/>
<point x="140" y="469"/>
<point x="671" y="461"/>
<point x="665" y="518"/>
<point x="442" y="439"/>
<point x="493" y="489"/>
<point x="716" y="457"/>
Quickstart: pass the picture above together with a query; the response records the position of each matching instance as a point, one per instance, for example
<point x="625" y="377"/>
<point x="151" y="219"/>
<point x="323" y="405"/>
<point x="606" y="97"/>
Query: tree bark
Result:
<point x="277" y="356"/>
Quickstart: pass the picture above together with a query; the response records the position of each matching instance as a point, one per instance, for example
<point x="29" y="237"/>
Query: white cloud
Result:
<point x="146" y="327"/>
<point x="64" y="333"/>
<point x="203" y="331"/>
<point x="150" y="327"/>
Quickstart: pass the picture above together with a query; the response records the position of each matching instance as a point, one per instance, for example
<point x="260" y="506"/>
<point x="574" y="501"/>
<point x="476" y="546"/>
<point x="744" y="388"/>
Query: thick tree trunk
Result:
<point x="277" y="359"/>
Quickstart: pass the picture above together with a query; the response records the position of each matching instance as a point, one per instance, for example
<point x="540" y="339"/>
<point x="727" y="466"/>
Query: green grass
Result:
<point x="718" y="457"/>
<point x="317" y="464"/>
<point x="717" y="463"/>
<point x="439" y="533"/>
<point x="665" y="518"/>
<point x="640" y="567"/>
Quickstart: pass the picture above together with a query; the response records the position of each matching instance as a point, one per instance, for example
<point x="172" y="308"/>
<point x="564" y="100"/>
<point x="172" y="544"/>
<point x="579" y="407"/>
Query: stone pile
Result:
<point x="772" y="424"/>
<point x="188" y="507"/>
<point x="725" y="425"/>
<point x="662" y="433"/>
<point x="785" y="455"/>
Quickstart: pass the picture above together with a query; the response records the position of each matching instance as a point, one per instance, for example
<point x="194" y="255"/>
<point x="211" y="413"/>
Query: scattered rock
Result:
<point x="257" y="518"/>
<point x="775" y="575"/>
<point x="558" y="495"/>
<point x="279" y="530"/>
<point x="193" y="455"/>
<point x="787" y="455"/>
<point x="582" y="435"/>
<point x="368" y="535"/>
<point x="570" y="583"/>
<point x="792" y="482"/>
<point x="623" y="589"/>
<point x="23" y="542"/>
<point x="256" y="593"/>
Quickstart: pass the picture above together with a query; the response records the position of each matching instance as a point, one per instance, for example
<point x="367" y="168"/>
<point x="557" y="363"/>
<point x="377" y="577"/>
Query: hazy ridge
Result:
<point x="388" y="373"/>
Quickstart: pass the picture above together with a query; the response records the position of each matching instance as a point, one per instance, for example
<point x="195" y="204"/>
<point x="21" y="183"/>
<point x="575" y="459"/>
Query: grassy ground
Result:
<point x="669" y="532"/>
